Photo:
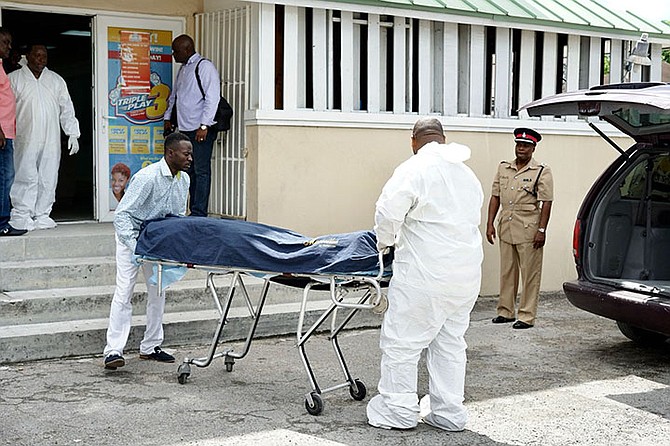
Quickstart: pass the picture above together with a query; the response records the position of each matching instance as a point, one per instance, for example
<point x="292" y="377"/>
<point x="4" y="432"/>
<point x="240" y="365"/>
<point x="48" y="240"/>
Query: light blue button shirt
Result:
<point x="153" y="192"/>
<point x="192" y="109"/>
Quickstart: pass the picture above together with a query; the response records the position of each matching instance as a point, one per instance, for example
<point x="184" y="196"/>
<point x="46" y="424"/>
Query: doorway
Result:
<point x="69" y="45"/>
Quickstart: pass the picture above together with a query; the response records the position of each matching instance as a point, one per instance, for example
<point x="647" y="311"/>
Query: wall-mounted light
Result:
<point x="640" y="53"/>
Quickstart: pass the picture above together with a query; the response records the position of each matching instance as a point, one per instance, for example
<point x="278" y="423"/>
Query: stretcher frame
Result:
<point x="338" y="285"/>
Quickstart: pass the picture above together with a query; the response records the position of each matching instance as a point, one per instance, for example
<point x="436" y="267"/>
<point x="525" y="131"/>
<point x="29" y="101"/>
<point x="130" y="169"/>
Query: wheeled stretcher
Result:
<point x="348" y="266"/>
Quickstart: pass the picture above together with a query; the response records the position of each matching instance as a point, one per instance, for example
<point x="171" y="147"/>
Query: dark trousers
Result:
<point x="6" y="180"/>
<point x="200" y="173"/>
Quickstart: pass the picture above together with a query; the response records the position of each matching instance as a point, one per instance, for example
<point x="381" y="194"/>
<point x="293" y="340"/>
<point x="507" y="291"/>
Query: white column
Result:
<point x="527" y="67"/>
<point x="373" y="63"/>
<point x="656" y="62"/>
<point x="301" y="74"/>
<point x="319" y="59"/>
<point x="549" y="64"/>
<point x="573" y="62"/>
<point x="266" y="55"/>
<point x="616" y="61"/>
<point x="290" y="57"/>
<point x="347" y="60"/>
<point x="477" y="70"/>
<point x="503" y="68"/>
<point x="451" y="79"/>
<point x="399" y="64"/>
<point x="425" y="67"/>
<point x="595" y="62"/>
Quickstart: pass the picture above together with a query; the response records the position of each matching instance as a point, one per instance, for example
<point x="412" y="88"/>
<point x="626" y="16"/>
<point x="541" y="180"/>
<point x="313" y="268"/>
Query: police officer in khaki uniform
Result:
<point x="524" y="189"/>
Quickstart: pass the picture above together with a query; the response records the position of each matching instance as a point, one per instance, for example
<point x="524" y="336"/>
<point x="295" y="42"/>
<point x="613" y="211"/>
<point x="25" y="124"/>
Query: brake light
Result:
<point x="575" y="240"/>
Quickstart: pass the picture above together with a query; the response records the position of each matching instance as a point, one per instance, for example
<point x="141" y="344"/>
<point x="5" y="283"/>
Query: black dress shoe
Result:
<point x="521" y="325"/>
<point x="502" y="320"/>
<point x="9" y="231"/>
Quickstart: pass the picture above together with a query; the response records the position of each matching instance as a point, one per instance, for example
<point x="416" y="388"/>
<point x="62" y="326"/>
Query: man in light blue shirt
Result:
<point x="154" y="192"/>
<point x="196" y="108"/>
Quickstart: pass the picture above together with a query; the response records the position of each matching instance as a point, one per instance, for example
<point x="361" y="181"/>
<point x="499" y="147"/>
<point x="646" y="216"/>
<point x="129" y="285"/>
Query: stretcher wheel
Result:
<point x="229" y="362"/>
<point x="359" y="392"/>
<point x="317" y="407"/>
<point x="184" y="372"/>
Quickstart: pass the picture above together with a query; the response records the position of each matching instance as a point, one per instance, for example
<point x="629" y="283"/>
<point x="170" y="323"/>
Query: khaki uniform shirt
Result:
<point x="520" y="209"/>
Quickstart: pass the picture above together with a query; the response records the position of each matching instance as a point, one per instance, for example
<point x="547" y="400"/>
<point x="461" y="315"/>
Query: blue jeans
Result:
<point x="6" y="180"/>
<point x="200" y="173"/>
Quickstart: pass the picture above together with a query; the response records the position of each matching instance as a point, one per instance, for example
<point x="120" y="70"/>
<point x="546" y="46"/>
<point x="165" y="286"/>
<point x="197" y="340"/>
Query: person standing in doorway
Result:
<point x="525" y="191"/>
<point x="7" y="135"/>
<point x="429" y="210"/>
<point x="43" y="106"/>
<point x="196" y="94"/>
<point x="155" y="191"/>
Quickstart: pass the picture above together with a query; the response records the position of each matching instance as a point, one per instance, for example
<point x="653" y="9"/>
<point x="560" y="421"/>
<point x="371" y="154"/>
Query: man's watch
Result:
<point x="203" y="127"/>
<point x="542" y="230"/>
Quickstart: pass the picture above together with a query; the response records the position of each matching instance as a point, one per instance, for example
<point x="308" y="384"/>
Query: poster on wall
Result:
<point x="140" y="81"/>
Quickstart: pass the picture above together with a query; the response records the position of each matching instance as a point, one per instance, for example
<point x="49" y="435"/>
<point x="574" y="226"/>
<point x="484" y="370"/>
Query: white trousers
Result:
<point x="34" y="190"/>
<point x="121" y="312"/>
<point x="418" y="320"/>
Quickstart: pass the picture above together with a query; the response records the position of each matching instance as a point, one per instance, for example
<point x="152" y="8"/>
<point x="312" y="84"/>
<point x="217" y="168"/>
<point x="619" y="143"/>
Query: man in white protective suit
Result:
<point x="43" y="105"/>
<point x="430" y="212"/>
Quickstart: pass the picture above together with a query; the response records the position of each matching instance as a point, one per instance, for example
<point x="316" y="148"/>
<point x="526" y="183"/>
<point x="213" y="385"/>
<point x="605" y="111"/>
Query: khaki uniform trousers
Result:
<point x="514" y="259"/>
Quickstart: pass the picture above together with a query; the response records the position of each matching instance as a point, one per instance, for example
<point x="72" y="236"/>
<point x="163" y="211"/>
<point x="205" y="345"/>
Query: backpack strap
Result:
<point x="197" y="78"/>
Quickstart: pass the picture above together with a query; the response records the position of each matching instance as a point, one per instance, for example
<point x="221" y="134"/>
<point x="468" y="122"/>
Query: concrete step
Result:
<point x="78" y="303"/>
<point x="65" y="241"/>
<point x="62" y="273"/>
<point x="20" y="343"/>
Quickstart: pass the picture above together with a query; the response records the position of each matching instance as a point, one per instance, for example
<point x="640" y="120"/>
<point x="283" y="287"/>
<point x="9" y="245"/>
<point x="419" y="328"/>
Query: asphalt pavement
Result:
<point x="573" y="379"/>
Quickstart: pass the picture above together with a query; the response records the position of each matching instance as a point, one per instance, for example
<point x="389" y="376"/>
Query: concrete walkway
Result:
<point x="571" y="380"/>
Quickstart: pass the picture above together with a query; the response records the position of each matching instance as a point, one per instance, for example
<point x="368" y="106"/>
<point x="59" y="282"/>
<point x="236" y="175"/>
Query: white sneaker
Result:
<point x="44" y="222"/>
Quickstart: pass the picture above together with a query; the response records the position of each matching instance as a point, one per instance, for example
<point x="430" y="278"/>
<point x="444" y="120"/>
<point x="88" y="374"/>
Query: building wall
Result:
<point x="324" y="180"/>
<point x="172" y="8"/>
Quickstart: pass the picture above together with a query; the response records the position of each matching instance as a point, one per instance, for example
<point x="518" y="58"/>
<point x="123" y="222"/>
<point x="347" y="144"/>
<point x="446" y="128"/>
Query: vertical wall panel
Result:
<point x="595" y="62"/>
<point x="290" y="58"/>
<point x="464" y="78"/>
<point x="477" y="70"/>
<point x="374" y="59"/>
<point x="616" y="61"/>
<point x="347" y="60"/>
<point x="549" y="64"/>
<point x="527" y="67"/>
<point x="574" y="59"/>
<point x="266" y="57"/>
<point x="656" y="62"/>
<point x="425" y="67"/>
<point x="319" y="58"/>
<point x="503" y="83"/>
<point x="302" y="60"/>
<point x="450" y="84"/>
<point x="399" y="64"/>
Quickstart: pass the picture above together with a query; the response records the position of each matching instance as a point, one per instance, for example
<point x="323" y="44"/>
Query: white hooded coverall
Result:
<point x="430" y="211"/>
<point x="42" y="106"/>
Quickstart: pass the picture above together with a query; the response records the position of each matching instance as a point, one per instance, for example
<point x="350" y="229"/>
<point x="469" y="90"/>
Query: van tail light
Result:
<point x="576" y="233"/>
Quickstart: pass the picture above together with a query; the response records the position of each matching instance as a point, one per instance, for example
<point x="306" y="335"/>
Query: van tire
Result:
<point x="640" y="335"/>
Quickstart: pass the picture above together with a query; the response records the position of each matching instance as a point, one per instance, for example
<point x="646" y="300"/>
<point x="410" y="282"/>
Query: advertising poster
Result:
<point x="140" y="81"/>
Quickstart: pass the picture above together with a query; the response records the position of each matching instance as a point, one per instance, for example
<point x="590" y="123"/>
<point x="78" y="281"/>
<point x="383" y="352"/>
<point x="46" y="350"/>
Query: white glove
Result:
<point x="73" y="145"/>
